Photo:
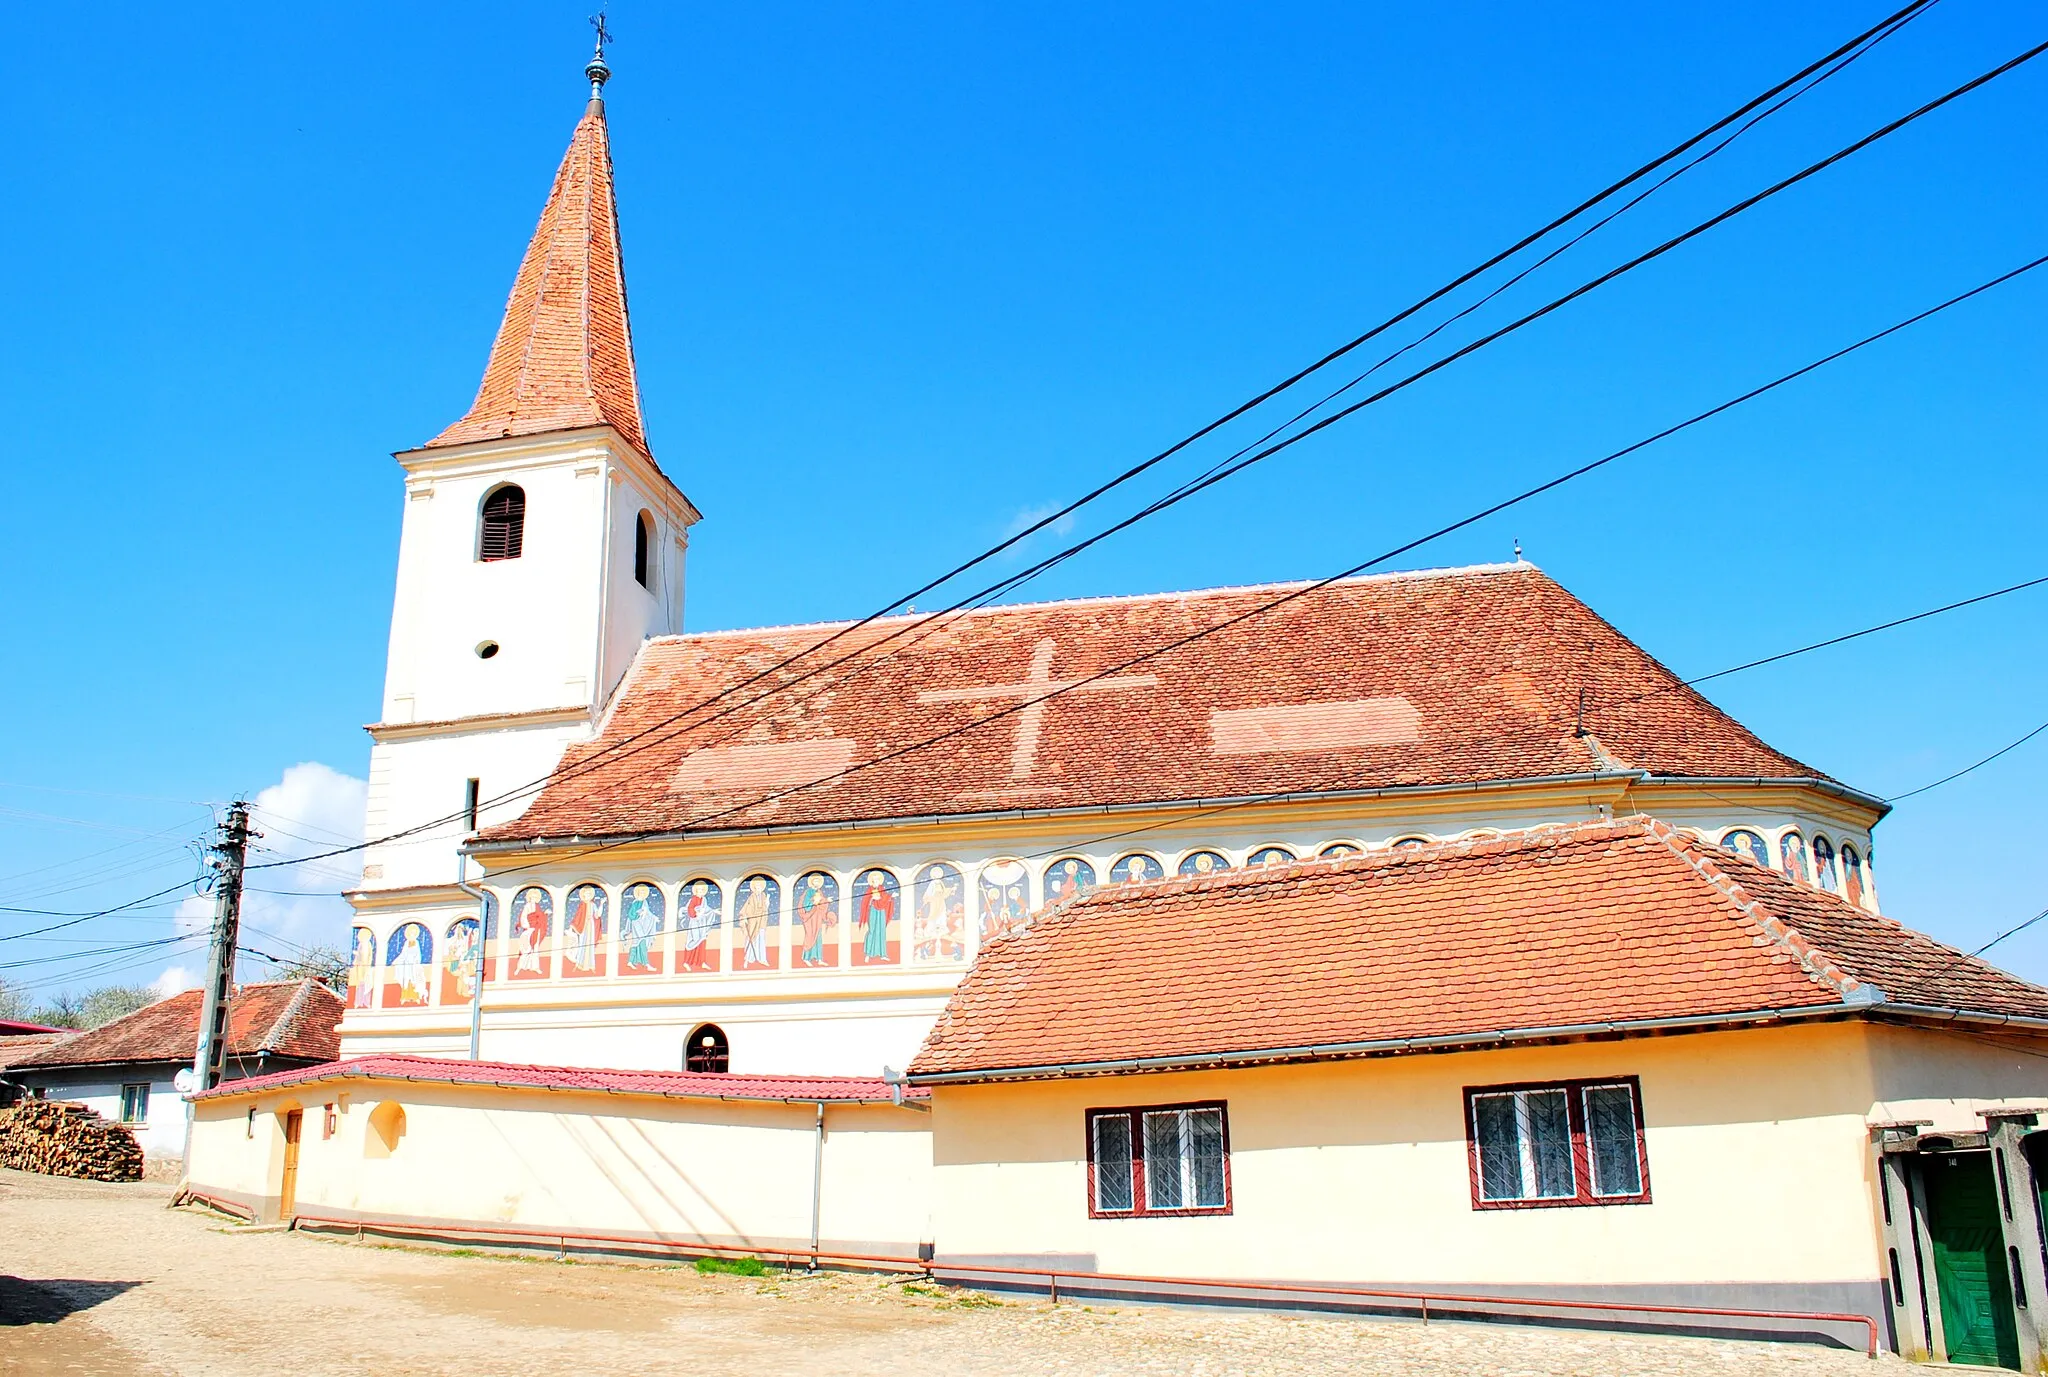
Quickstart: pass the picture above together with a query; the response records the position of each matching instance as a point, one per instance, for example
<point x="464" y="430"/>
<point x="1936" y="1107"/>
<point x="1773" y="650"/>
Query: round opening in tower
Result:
<point x="486" y="649"/>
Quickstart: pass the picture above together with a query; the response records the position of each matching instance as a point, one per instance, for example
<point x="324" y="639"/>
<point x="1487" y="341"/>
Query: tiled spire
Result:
<point x="564" y="354"/>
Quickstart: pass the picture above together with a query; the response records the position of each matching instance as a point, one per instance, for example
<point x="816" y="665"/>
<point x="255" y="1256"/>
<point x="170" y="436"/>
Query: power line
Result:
<point x="1304" y="590"/>
<point x="98" y="913"/>
<point x="2010" y="746"/>
<point x="1883" y="28"/>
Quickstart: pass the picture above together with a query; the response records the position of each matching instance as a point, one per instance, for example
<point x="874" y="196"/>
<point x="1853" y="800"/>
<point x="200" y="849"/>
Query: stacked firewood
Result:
<point x="61" y="1139"/>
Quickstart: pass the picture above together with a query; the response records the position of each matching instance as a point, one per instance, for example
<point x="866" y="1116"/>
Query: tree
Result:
<point x="327" y="965"/>
<point x="15" y="1003"/>
<point x="89" y="1010"/>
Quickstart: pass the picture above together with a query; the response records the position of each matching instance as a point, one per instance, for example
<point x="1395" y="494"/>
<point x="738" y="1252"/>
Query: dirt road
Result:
<point x="99" y="1279"/>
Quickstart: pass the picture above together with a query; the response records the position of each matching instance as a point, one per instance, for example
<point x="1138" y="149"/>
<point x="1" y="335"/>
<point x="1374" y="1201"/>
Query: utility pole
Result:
<point x="229" y="852"/>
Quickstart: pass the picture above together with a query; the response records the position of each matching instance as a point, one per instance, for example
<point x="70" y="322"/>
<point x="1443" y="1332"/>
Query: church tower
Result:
<point x="541" y="544"/>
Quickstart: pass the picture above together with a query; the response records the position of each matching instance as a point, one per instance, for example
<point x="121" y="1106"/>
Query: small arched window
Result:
<point x="707" y="1049"/>
<point x="503" y="530"/>
<point x="643" y="548"/>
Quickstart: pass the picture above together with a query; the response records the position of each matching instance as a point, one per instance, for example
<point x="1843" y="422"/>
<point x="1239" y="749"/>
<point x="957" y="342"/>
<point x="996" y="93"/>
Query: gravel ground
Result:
<point x="101" y="1278"/>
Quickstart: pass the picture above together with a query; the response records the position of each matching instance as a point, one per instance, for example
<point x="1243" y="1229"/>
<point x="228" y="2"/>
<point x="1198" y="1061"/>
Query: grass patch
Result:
<point x="732" y="1266"/>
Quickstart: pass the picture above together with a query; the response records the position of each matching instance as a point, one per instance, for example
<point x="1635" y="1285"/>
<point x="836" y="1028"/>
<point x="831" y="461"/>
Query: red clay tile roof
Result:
<point x="14" y="1027"/>
<point x="292" y="1018"/>
<point x="14" y="1047"/>
<point x="1551" y="928"/>
<point x="564" y="354"/>
<point x="517" y="1075"/>
<point x="1429" y="678"/>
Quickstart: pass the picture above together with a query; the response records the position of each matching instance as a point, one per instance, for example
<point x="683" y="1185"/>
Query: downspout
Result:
<point x="817" y="1181"/>
<point x="483" y="939"/>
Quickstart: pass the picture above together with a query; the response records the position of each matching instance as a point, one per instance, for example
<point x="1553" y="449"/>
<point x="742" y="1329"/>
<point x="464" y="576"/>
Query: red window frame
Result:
<point x="1136" y="1114"/>
<point x="1582" y="1161"/>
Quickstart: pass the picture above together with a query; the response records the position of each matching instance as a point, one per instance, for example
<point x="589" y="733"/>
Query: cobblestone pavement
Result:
<point x="103" y="1279"/>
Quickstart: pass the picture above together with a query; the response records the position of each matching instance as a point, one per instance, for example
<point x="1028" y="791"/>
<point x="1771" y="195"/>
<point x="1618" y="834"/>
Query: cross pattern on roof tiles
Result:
<point x="1552" y="928"/>
<point x="1416" y="680"/>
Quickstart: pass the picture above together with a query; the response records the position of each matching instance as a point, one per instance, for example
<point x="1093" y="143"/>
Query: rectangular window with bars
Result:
<point x="1561" y="1143"/>
<point x="1169" y="1159"/>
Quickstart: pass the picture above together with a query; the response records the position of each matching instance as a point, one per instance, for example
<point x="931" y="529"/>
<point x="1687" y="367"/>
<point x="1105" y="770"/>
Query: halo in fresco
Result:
<point x="533" y="917"/>
<point x="1792" y="857"/>
<point x="584" y="915"/>
<point x="1068" y="875"/>
<point x="1743" y="842"/>
<point x="700" y="912"/>
<point x="757" y="924"/>
<point x="643" y="912"/>
<point x="815" y="911"/>
<point x="1136" y="869"/>
<point x="362" y="969"/>
<point x="940" y="896"/>
<point x="1005" y="897"/>
<point x="1270" y="855"/>
<point x="1824" y="864"/>
<point x="408" y="958"/>
<point x="876" y="929"/>
<point x="1199" y="863"/>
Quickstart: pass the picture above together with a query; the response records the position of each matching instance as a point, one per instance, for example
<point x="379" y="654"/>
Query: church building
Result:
<point x="1417" y="932"/>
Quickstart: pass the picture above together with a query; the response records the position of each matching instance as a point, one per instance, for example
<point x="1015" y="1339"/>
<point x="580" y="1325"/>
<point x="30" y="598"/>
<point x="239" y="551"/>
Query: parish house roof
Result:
<point x="1591" y="927"/>
<point x="519" y="1076"/>
<point x="290" y="1018"/>
<point x="1489" y="673"/>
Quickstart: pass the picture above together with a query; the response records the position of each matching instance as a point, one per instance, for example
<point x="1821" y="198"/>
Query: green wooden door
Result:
<point x="1969" y="1259"/>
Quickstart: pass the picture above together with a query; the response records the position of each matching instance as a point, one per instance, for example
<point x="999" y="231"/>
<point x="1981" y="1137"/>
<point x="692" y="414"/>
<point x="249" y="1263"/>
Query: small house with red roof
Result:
<point x="125" y="1070"/>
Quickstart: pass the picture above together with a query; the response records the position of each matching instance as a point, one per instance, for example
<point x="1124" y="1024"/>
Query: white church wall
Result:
<point x="848" y="1018"/>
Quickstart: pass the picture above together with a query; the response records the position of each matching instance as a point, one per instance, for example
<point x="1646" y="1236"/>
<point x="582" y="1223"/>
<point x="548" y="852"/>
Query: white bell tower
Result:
<point x="541" y="545"/>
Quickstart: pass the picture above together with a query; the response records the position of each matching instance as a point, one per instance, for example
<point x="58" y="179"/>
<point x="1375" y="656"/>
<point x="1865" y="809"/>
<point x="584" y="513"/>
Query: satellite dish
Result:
<point x="184" y="1080"/>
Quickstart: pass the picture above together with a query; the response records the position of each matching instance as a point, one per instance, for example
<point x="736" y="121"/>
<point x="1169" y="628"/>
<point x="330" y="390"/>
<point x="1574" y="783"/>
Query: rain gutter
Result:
<point x="1459" y="1042"/>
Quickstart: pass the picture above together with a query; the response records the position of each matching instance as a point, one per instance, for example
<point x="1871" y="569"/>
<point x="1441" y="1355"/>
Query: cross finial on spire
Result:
<point x="597" y="71"/>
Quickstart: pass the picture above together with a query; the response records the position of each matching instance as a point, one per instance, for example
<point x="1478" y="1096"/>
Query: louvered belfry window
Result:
<point x="504" y="525"/>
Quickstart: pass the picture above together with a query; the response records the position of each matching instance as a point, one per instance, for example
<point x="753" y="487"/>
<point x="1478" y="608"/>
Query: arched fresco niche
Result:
<point x="1197" y="864"/>
<point x="643" y="914"/>
<point x="939" y="895"/>
<point x="1067" y="876"/>
<point x="700" y="913"/>
<point x="362" y="969"/>
<point x="408" y="967"/>
<point x="533" y="918"/>
<point x="584" y="922"/>
<point x="1005" y="893"/>
<point x="757" y="924"/>
<point x="877" y="925"/>
<point x="1136" y="869"/>
<point x="814" y="906"/>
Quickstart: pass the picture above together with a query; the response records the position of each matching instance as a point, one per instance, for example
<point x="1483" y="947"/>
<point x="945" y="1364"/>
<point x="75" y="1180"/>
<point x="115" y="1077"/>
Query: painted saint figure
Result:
<point x="362" y="970"/>
<point x="1069" y="876"/>
<point x="583" y="930"/>
<point x="698" y="916"/>
<point x="756" y="908"/>
<point x="874" y="911"/>
<point x="1005" y="898"/>
<point x="1136" y="869"/>
<point x="817" y="904"/>
<point x="1337" y="851"/>
<point x="1745" y="843"/>
<point x="1852" y="875"/>
<point x="1201" y="863"/>
<point x="1792" y="857"/>
<point x="1824" y="863"/>
<point x="458" y="966"/>
<point x="533" y="911"/>
<point x="640" y="914"/>
<point x="941" y="913"/>
<point x="411" y="954"/>
<point x="1270" y="855"/>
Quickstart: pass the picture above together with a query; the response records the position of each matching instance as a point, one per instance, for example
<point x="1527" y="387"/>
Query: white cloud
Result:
<point x="174" y="980"/>
<point x="312" y="809"/>
<point x="1027" y="517"/>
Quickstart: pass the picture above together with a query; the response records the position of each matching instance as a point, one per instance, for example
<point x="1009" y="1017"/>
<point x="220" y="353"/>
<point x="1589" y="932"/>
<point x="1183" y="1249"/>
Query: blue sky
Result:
<point x="903" y="274"/>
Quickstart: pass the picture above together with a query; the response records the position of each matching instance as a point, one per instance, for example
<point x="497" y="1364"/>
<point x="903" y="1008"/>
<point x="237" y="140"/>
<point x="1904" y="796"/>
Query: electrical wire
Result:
<point x="2010" y="746"/>
<point x="1303" y="590"/>
<point x="1880" y="29"/>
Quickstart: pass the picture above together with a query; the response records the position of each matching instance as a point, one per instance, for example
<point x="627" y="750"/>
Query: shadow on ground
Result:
<point x="46" y="1302"/>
